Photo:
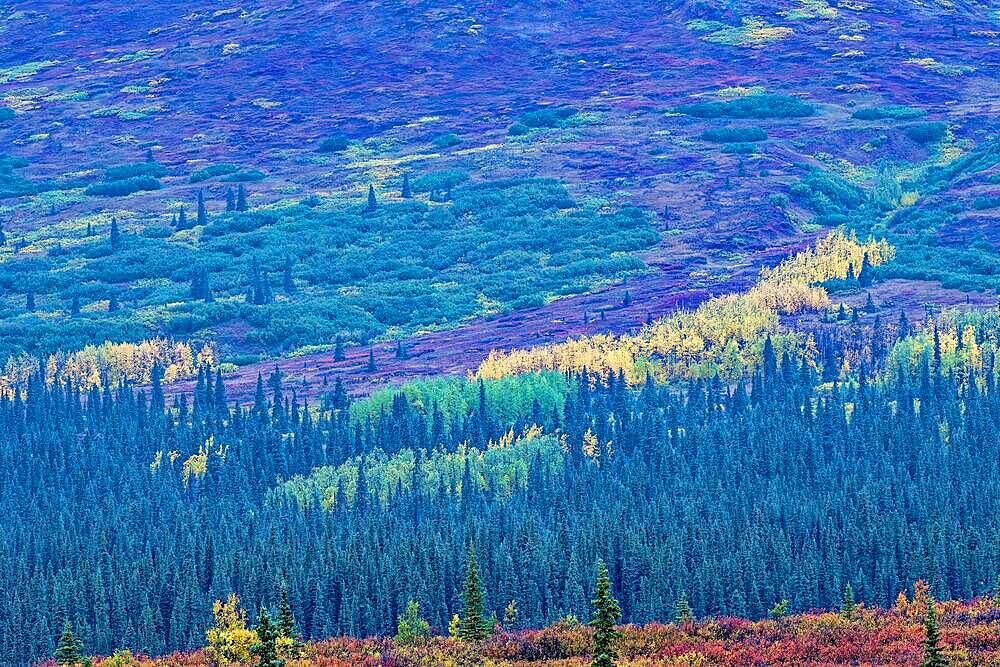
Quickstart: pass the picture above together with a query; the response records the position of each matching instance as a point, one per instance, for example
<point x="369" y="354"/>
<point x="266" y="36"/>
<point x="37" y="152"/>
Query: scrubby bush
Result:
<point x="889" y="112"/>
<point x="740" y="149"/>
<point x="446" y="140"/>
<point x="125" y="186"/>
<point x="334" y="144"/>
<point x="439" y="180"/>
<point x="726" y="135"/>
<point x="548" y="117"/>
<point x="123" y="172"/>
<point x="927" y="133"/>
<point x="751" y="106"/>
<point x="212" y="171"/>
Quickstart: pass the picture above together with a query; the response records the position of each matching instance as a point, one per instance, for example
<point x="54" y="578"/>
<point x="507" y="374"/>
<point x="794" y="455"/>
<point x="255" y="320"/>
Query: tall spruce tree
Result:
<point x="286" y="620"/>
<point x="266" y="648"/>
<point x="372" y="201"/>
<point x="68" y="652"/>
<point x="241" y="198"/>
<point x="202" y="212"/>
<point x="115" y="235"/>
<point x="406" y="193"/>
<point x="473" y="622"/>
<point x="607" y="611"/>
<point x="933" y="657"/>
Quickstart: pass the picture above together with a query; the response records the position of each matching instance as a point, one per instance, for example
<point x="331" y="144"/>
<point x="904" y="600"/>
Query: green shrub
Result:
<point x="125" y="186"/>
<point x="247" y="176"/>
<point x="436" y="181"/>
<point x="889" y="112"/>
<point x="212" y="171"/>
<point x="740" y="149"/>
<point x="123" y="172"/>
<point x="446" y="140"/>
<point x="6" y="114"/>
<point x="548" y="117"/>
<point x="726" y="135"/>
<point x="751" y="106"/>
<point x="334" y="144"/>
<point x="518" y="130"/>
<point x="927" y="133"/>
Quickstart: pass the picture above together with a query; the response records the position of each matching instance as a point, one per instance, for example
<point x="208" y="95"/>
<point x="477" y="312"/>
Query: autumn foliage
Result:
<point x="111" y="363"/>
<point x="868" y="636"/>
<point x="724" y="336"/>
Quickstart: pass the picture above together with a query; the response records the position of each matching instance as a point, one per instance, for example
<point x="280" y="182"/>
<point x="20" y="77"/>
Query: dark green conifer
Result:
<point x="266" y="648"/>
<point x="473" y="622"/>
<point x="286" y="620"/>
<point x="606" y="614"/>
<point x="115" y="235"/>
<point x="372" y="201"/>
<point x="241" y="198"/>
<point x="202" y="212"/>
<point x="933" y="657"/>
<point x="68" y="652"/>
<point x="406" y="193"/>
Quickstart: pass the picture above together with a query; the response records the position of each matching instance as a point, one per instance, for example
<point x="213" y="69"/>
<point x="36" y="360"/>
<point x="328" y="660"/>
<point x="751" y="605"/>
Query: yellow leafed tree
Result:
<point x="229" y="639"/>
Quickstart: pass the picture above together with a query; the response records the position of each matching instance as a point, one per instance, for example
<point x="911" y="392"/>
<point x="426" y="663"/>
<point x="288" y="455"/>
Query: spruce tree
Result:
<point x="68" y="652"/>
<point x="932" y="652"/>
<point x="338" y="350"/>
<point x="115" y="235"/>
<point x="848" y="606"/>
<point x="74" y="308"/>
<point x="182" y="219"/>
<point x="29" y="301"/>
<point x="866" y="274"/>
<point x="266" y="648"/>
<point x="230" y="200"/>
<point x="372" y="201"/>
<point x="371" y="361"/>
<point x="606" y="614"/>
<point x="202" y="212"/>
<point x="113" y="303"/>
<point x="286" y="620"/>
<point x="684" y="613"/>
<point x="241" y="198"/>
<point x="407" y="193"/>
<point x="473" y="623"/>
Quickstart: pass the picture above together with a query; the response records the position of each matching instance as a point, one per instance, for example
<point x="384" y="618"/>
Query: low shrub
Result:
<point x="726" y="135"/>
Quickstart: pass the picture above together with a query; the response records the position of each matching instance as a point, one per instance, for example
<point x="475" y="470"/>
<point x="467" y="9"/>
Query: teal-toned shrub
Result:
<point x="212" y="171"/>
<point x="334" y="144"/>
<point x="125" y="186"/>
<point x="889" y="112"/>
<point x="740" y="149"/>
<point x="134" y="169"/>
<point x="927" y="133"/>
<point x="247" y="176"/>
<point x="437" y="181"/>
<point x="751" y="106"/>
<point x="446" y="140"/>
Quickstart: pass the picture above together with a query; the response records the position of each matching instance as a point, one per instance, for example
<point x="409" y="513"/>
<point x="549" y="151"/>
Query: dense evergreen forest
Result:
<point x="129" y="517"/>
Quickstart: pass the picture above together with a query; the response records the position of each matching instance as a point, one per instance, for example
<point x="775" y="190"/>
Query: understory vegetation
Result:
<point x="311" y="272"/>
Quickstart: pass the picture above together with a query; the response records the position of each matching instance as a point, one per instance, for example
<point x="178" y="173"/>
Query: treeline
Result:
<point x="723" y="336"/>
<point x="110" y="364"/>
<point x="129" y="519"/>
